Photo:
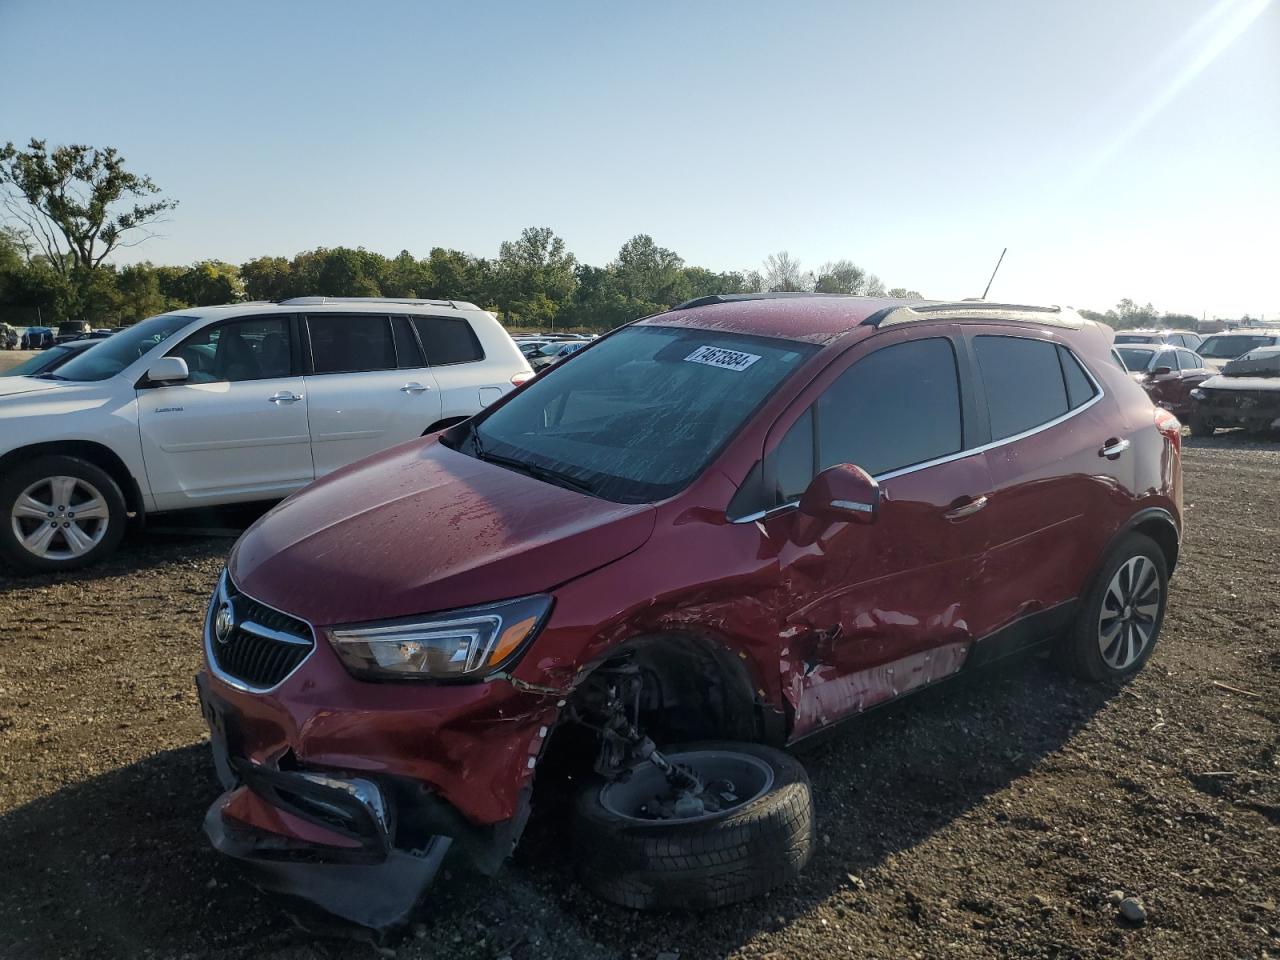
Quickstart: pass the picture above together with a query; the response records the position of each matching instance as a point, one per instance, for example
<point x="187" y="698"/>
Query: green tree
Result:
<point x="138" y="286"/>
<point x="535" y="275"/>
<point x="902" y="293"/>
<point x="207" y="283"/>
<point x="649" y="273"/>
<point x="840" y="276"/>
<point x="78" y="204"/>
<point x="267" y="278"/>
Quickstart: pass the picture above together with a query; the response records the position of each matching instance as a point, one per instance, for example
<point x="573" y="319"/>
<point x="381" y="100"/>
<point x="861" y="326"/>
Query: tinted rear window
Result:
<point x="1024" y="382"/>
<point x="350" y="343"/>
<point x="1080" y="388"/>
<point x="448" y="340"/>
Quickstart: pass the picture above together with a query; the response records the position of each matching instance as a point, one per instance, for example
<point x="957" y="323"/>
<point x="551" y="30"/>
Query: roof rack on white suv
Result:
<point x="406" y="301"/>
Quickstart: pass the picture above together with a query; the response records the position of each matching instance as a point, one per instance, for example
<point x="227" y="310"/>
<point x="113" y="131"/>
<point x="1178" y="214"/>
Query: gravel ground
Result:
<point x="992" y="818"/>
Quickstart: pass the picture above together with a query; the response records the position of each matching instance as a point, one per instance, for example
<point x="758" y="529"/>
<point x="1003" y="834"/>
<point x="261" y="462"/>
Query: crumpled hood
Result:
<point x="12" y="386"/>
<point x="421" y="528"/>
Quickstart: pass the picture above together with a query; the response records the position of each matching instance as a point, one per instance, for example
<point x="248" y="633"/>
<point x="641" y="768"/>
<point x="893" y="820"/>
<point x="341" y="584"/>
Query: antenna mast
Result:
<point x="993" y="272"/>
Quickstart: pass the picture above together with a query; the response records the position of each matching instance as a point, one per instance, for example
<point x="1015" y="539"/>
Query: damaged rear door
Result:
<point x="877" y="610"/>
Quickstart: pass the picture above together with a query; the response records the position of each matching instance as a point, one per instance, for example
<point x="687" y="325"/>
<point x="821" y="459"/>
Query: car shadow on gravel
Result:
<point x="118" y="865"/>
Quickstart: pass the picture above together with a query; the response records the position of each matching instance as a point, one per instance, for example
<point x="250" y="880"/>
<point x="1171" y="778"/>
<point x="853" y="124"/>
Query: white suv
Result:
<point x="218" y="405"/>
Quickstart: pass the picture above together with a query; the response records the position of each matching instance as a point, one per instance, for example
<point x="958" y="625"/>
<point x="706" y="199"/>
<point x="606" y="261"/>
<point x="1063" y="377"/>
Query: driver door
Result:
<point x="877" y="610"/>
<point x="236" y="429"/>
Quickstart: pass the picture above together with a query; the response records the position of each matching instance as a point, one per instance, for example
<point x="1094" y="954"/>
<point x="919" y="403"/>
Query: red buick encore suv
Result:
<point x="702" y="539"/>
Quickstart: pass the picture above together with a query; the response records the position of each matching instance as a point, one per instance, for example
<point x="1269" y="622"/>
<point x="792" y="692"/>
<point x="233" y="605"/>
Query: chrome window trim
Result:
<point x="971" y="451"/>
<point x="219" y="597"/>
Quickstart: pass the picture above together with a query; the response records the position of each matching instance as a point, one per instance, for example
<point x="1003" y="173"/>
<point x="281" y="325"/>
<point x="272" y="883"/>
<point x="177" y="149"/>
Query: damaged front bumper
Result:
<point x="362" y="845"/>
<point x="325" y="839"/>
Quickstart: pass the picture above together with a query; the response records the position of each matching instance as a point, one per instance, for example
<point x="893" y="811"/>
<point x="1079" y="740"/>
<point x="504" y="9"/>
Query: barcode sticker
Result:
<point x="725" y="359"/>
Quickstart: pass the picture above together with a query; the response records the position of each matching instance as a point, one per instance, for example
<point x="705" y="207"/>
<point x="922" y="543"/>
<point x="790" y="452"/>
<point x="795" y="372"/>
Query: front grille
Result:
<point x="264" y="646"/>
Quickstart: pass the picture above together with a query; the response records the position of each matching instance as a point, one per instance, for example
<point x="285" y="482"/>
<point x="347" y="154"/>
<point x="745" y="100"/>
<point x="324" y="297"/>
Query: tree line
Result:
<point x="68" y="208"/>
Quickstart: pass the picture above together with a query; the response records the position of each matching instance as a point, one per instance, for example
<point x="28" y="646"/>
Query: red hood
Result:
<point x="422" y="528"/>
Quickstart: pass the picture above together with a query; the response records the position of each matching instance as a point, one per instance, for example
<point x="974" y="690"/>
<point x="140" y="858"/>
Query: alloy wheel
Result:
<point x="1130" y="607"/>
<point x="60" y="518"/>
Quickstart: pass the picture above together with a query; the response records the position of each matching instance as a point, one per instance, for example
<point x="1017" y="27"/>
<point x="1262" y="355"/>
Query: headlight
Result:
<point x="452" y="645"/>
<point x="1197" y="393"/>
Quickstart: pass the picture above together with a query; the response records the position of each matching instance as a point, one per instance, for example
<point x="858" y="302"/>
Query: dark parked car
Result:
<point x="37" y="338"/>
<point x="1168" y="375"/>
<point x="47" y="361"/>
<point x="716" y="533"/>
<point x="1176" y="338"/>
<point x="1246" y="394"/>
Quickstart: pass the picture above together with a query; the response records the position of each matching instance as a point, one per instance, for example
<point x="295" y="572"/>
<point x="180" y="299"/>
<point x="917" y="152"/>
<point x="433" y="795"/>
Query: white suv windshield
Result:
<point x="637" y="417"/>
<point x="119" y="350"/>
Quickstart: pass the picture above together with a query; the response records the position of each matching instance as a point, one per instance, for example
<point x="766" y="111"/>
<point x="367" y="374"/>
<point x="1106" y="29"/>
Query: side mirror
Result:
<point x="1162" y="371"/>
<point x="843" y="492"/>
<point x="168" y="370"/>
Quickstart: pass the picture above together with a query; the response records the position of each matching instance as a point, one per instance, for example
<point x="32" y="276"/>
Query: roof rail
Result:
<point x="977" y="310"/>
<point x="740" y="297"/>
<point x="405" y="301"/>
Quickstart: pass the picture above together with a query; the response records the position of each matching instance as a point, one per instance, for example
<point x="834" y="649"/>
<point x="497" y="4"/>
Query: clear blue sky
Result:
<point x="1117" y="148"/>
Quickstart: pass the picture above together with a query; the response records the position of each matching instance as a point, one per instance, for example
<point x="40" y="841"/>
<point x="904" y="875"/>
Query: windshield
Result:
<point x="116" y="352"/>
<point x="41" y="361"/>
<point x="639" y="415"/>
<point x="1134" y="359"/>
<point x="1230" y="347"/>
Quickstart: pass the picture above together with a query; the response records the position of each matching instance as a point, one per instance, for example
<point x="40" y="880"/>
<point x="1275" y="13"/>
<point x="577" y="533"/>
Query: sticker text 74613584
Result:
<point x="720" y="357"/>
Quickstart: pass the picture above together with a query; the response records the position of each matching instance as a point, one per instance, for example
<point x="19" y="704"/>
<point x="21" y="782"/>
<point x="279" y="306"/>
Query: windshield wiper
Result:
<point x="530" y="469"/>
<point x="48" y="376"/>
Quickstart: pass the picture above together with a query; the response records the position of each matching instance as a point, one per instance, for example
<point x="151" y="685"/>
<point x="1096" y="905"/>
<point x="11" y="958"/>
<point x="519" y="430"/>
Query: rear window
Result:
<point x="1136" y="338"/>
<point x="351" y="343"/>
<point x="1024" y="383"/>
<point x="448" y="340"/>
<point x="1135" y="360"/>
<point x="1228" y="347"/>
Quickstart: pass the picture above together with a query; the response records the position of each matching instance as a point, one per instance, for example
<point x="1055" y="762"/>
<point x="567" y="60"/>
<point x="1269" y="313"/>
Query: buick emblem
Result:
<point x="223" y="623"/>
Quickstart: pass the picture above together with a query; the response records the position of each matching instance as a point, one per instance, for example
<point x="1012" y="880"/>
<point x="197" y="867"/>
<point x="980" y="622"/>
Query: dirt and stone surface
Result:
<point x="1005" y="817"/>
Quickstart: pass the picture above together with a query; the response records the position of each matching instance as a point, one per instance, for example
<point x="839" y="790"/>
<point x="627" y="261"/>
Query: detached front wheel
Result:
<point x="59" y="513"/>
<point x="641" y="845"/>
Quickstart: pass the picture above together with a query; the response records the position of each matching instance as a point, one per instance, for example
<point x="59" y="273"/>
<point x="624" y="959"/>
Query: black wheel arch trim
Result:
<point x="1151" y="519"/>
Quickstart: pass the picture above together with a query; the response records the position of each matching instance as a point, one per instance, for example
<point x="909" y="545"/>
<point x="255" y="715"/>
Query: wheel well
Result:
<point x="102" y="457"/>
<point x="694" y="689"/>
<point x="444" y="424"/>
<point x="1165" y="534"/>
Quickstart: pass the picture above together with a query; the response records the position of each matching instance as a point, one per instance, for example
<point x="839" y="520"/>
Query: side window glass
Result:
<point x="254" y="349"/>
<point x="448" y="340"/>
<point x="1188" y="360"/>
<point x="1166" y="359"/>
<point x="407" y="350"/>
<point x="1079" y="387"/>
<point x="893" y="408"/>
<point x="1024" y="381"/>
<point x="789" y="468"/>
<point x="351" y="343"/>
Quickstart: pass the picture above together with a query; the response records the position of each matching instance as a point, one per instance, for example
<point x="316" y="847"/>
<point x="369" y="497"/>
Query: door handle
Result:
<point x="413" y="387"/>
<point x="284" y="396"/>
<point x="966" y="509"/>
<point x="1113" y="448"/>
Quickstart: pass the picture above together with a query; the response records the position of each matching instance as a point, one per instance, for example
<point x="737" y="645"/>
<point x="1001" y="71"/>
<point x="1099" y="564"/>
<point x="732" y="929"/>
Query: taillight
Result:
<point x="1170" y="426"/>
<point x="520" y="378"/>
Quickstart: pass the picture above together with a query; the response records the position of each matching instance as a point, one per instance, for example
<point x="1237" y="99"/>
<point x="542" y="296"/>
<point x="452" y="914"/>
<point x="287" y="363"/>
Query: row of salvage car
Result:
<point x="1232" y="380"/>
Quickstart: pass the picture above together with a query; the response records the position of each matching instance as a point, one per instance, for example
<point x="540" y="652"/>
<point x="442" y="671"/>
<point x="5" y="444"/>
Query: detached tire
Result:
<point x="1120" y="617"/>
<point x="59" y="513"/>
<point x="719" y="859"/>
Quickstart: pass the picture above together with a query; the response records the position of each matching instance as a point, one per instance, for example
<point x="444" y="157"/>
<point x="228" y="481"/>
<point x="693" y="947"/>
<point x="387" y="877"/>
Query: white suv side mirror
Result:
<point x="168" y="370"/>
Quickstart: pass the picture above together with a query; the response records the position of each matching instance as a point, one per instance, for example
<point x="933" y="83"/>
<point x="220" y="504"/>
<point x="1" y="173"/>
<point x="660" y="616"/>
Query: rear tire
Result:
<point x="59" y="513"/>
<point x="1119" y="620"/>
<point x="701" y="863"/>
